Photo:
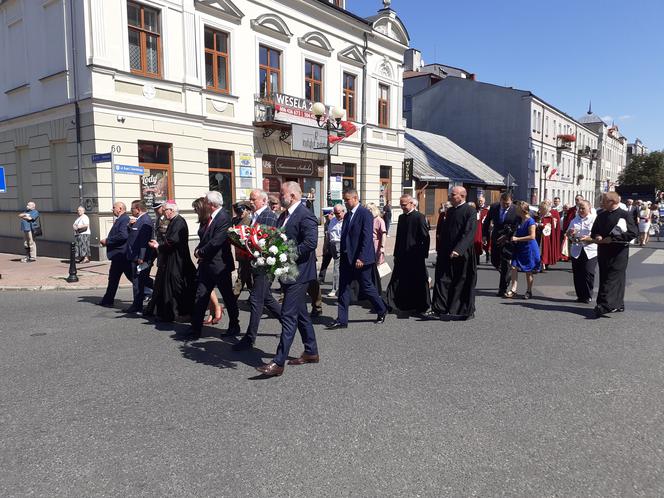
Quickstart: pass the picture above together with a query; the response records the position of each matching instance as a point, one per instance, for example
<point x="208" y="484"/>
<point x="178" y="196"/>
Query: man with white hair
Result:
<point x="172" y="298"/>
<point x="29" y="220"/>
<point x="215" y="265"/>
<point x="300" y="226"/>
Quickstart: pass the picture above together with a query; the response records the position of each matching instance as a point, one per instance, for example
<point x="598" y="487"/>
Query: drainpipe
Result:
<point x="363" y="134"/>
<point x="77" y="110"/>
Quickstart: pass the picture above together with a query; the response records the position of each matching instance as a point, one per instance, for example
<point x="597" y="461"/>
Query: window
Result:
<point x="349" y="96"/>
<point x="157" y="182"/>
<point x="534" y="120"/>
<point x="269" y="72"/>
<point x="385" y="185"/>
<point x="539" y="122"/>
<point x="348" y="180"/>
<point x="216" y="61"/>
<point x="383" y="105"/>
<point x="144" y="40"/>
<point x="313" y="81"/>
<point x="546" y="126"/>
<point x="220" y="170"/>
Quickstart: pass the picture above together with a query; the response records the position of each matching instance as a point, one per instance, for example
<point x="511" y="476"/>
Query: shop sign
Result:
<point x="291" y="166"/>
<point x="407" y="171"/>
<point x="311" y="139"/>
<point x="246" y="182"/>
<point x="291" y="109"/>
<point x="336" y="187"/>
<point x="245" y="160"/>
<point x="247" y="172"/>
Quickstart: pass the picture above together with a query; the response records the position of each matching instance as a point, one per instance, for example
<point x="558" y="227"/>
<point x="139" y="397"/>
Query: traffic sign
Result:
<point x="129" y="170"/>
<point x="101" y="158"/>
<point x="3" y="180"/>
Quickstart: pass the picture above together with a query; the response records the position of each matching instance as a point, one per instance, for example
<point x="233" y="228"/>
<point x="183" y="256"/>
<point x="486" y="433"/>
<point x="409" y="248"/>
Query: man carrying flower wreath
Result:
<point x="299" y="226"/>
<point x="260" y="295"/>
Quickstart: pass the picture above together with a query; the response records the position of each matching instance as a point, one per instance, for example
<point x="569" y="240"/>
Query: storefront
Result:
<point x="307" y="172"/>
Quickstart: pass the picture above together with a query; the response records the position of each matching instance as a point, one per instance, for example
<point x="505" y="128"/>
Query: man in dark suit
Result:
<point x="116" y="245"/>
<point x="358" y="258"/>
<point x="301" y="226"/>
<point x="260" y="295"/>
<point x="139" y="254"/>
<point x="215" y="265"/>
<point x="501" y="215"/>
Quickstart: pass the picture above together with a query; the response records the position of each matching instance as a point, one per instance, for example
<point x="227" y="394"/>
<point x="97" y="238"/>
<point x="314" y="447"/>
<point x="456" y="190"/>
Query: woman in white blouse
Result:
<point x="82" y="236"/>
<point x="583" y="252"/>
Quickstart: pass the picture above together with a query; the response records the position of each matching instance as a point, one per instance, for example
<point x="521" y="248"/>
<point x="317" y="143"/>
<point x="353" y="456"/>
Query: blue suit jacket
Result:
<point x="302" y="228"/>
<point x="214" y="249"/>
<point x="357" y="237"/>
<point x="139" y="234"/>
<point x="267" y="218"/>
<point x="116" y="241"/>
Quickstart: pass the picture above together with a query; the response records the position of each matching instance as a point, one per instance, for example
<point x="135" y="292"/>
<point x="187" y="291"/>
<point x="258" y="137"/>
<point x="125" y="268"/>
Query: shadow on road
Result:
<point x="584" y="312"/>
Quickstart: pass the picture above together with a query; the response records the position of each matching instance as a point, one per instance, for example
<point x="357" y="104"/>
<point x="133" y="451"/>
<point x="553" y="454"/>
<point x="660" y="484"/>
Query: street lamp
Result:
<point x="330" y="123"/>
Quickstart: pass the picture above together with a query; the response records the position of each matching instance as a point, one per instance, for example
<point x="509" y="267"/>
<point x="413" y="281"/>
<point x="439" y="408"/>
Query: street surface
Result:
<point x="532" y="398"/>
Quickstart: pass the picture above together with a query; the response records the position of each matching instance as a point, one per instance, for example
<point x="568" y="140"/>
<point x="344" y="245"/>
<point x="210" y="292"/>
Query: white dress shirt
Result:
<point x="582" y="227"/>
<point x="291" y="209"/>
<point x="256" y="214"/>
<point x="334" y="229"/>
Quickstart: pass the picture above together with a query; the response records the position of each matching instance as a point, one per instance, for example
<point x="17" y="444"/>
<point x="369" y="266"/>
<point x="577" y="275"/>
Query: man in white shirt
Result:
<point x="334" y="242"/>
<point x="583" y="252"/>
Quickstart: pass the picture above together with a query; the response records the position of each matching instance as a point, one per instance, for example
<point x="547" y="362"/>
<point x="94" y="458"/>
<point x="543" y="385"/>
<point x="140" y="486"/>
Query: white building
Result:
<point x="636" y="149"/>
<point x="200" y="93"/>
<point x="612" y="152"/>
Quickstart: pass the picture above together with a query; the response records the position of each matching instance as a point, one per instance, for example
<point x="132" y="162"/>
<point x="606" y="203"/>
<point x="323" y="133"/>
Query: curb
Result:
<point x="18" y="288"/>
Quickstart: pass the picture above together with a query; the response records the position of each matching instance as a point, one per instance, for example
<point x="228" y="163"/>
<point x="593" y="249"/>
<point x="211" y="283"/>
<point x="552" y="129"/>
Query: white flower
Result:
<point x="278" y="272"/>
<point x="256" y="254"/>
<point x="273" y="249"/>
<point x="261" y="242"/>
<point x="283" y="237"/>
<point x="260" y="261"/>
<point x="270" y="260"/>
<point x="286" y="269"/>
<point x="283" y="257"/>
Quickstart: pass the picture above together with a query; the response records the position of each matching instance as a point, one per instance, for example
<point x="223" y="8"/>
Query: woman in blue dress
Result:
<point x="526" y="254"/>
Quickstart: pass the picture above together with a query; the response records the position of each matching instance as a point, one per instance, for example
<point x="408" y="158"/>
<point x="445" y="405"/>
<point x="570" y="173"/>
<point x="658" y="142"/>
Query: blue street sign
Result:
<point x="3" y="180"/>
<point x="101" y="158"/>
<point x="129" y="170"/>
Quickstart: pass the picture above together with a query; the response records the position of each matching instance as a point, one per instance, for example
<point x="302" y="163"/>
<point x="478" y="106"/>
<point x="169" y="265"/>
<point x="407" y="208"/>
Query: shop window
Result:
<point x="217" y="62"/>
<point x="220" y="170"/>
<point x="269" y="71"/>
<point x="313" y="81"/>
<point x="349" y="96"/>
<point x="348" y="180"/>
<point x="383" y="105"/>
<point x="157" y="182"/>
<point x="385" y="185"/>
<point x="144" y="40"/>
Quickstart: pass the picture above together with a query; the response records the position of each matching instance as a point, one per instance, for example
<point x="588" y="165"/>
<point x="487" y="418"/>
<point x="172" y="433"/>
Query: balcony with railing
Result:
<point x="564" y="142"/>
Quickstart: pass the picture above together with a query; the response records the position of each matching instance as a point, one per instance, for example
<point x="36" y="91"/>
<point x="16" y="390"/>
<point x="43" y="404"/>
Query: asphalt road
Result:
<point x="532" y="398"/>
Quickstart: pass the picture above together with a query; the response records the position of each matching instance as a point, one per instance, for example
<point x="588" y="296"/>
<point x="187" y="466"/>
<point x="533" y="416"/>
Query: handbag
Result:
<point x="35" y="228"/>
<point x="81" y="230"/>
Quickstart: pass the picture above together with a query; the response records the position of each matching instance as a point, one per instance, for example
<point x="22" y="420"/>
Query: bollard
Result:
<point x="72" y="264"/>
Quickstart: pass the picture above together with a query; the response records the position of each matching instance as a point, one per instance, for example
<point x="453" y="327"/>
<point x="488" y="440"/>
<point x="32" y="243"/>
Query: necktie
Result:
<point x="502" y="215"/>
<point x="207" y="227"/>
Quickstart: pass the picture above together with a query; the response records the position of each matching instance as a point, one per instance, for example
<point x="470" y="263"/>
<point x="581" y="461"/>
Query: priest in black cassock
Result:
<point x="613" y="229"/>
<point x="174" y="287"/>
<point x="456" y="265"/>
<point x="408" y="290"/>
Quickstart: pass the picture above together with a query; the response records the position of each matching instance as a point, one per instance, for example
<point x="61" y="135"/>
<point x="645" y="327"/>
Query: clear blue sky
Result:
<point x="566" y="52"/>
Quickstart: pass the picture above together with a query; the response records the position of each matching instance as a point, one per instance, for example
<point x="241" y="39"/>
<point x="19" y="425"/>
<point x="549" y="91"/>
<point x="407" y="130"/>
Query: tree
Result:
<point x="645" y="170"/>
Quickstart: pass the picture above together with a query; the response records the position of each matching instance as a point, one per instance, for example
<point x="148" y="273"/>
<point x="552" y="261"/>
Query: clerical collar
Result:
<point x="460" y="204"/>
<point x="410" y="211"/>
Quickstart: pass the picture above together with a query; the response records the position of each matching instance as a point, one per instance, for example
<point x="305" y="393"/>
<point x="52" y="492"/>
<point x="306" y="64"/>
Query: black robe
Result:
<point x="454" y="290"/>
<point x="408" y="289"/>
<point x="174" y="283"/>
<point x="612" y="257"/>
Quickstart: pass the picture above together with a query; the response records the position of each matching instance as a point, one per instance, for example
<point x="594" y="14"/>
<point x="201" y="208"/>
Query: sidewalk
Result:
<point x="51" y="273"/>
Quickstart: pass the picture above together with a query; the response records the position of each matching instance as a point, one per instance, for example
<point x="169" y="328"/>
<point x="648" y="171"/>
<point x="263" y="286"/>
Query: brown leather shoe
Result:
<point x="305" y="358"/>
<point x="271" y="369"/>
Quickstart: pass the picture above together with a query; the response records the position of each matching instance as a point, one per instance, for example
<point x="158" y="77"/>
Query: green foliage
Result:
<point x="645" y="170"/>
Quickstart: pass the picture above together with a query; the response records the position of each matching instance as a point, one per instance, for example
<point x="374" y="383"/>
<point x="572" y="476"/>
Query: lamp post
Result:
<point x="545" y="169"/>
<point x="330" y="123"/>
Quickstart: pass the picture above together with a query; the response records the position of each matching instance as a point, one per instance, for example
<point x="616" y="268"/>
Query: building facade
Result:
<point x="542" y="151"/>
<point x="196" y="95"/>
<point x="636" y="149"/>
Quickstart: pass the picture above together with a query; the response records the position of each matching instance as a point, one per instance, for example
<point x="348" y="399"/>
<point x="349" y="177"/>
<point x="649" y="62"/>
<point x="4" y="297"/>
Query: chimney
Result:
<point x="412" y="60"/>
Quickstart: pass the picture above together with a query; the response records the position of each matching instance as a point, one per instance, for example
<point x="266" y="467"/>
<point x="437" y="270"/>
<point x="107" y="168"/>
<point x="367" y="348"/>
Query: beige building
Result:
<point x="196" y="95"/>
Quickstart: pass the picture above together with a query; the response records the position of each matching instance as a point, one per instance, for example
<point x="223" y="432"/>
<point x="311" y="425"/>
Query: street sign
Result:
<point x="407" y="172"/>
<point x="311" y="139"/>
<point x="101" y="158"/>
<point x="3" y="180"/>
<point x="129" y="170"/>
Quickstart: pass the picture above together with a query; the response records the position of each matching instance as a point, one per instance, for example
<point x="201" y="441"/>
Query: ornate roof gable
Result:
<point x="222" y="8"/>
<point x="352" y="55"/>
<point x="316" y="42"/>
<point x="272" y="25"/>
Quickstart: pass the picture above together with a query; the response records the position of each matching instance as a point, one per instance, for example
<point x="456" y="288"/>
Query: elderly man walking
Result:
<point x="215" y="265"/>
<point x="116" y="244"/>
<point x="29" y="219"/>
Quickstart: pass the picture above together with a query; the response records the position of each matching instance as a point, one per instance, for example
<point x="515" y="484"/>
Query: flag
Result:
<point x="349" y="129"/>
<point x="553" y="172"/>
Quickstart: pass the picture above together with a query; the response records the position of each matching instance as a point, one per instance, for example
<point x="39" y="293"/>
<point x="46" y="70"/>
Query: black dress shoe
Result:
<point x="337" y="325"/>
<point x="105" y="304"/>
<point x="380" y="318"/>
<point x="316" y="312"/>
<point x="243" y="345"/>
<point x="133" y="310"/>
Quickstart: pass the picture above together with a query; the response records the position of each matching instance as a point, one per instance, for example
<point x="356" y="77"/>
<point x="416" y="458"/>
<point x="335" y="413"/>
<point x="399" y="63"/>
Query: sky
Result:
<point x="566" y="52"/>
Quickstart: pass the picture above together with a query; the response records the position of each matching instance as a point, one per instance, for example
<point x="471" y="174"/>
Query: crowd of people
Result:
<point x="515" y="237"/>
